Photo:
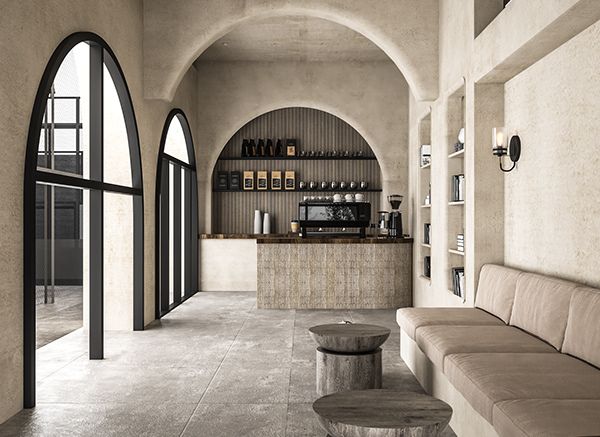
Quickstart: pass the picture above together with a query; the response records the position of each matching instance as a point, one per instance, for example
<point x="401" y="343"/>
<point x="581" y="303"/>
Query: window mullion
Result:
<point x="96" y="236"/>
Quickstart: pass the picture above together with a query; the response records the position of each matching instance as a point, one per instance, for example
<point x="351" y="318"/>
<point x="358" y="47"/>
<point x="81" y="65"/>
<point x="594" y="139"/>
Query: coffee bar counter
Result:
<point x="295" y="239"/>
<point x="290" y="272"/>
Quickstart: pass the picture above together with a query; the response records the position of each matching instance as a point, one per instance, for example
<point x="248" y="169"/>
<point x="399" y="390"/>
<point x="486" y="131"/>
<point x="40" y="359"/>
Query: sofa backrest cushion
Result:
<point x="496" y="290"/>
<point x="542" y="306"/>
<point x="582" y="337"/>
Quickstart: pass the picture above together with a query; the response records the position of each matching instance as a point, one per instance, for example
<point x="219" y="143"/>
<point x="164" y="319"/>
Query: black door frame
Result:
<point x="100" y="54"/>
<point x="190" y="231"/>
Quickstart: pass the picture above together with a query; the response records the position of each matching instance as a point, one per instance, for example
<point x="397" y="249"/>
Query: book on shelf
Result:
<point x="425" y="154"/>
<point x="458" y="188"/>
<point x="427" y="266"/>
<point x="427" y="233"/>
<point x="460" y="242"/>
<point x="458" y="281"/>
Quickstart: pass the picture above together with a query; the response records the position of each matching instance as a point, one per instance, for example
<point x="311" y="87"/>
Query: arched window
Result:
<point x="83" y="210"/>
<point x="176" y="216"/>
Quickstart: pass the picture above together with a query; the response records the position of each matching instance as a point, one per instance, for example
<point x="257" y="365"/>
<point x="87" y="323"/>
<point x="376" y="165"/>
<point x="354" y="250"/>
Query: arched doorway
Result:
<point x="176" y="215"/>
<point x="83" y="206"/>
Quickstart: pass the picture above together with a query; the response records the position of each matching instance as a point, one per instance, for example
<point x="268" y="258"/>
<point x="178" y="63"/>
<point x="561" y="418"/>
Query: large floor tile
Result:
<point x="249" y="385"/>
<point x="302" y="422"/>
<point x="107" y="420"/>
<point x="98" y="382"/>
<point x="303" y="382"/>
<point x="227" y="420"/>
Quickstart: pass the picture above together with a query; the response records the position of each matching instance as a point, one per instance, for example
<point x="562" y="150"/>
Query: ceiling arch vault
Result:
<point x="406" y="30"/>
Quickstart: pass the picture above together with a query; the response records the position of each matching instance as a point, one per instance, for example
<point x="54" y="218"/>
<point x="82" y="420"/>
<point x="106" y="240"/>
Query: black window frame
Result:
<point x="190" y="231"/>
<point x="100" y="55"/>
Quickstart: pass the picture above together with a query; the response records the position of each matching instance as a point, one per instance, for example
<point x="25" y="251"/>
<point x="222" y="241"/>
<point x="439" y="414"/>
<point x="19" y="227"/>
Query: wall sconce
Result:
<point x="500" y="149"/>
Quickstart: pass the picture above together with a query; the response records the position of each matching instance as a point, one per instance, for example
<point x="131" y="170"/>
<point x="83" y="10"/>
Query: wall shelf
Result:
<point x="458" y="154"/>
<point x="462" y="299"/>
<point x="297" y="190"/>
<point x="298" y="158"/>
<point x="424" y="214"/>
<point x="425" y="278"/>
<point x="455" y="211"/>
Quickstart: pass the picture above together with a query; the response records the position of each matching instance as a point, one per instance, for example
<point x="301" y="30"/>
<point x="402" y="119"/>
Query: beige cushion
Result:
<point x="439" y="341"/>
<point x="582" y="337"/>
<point x="410" y="319"/>
<point x="542" y="306"/>
<point x="496" y="290"/>
<point x="487" y="378"/>
<point x="547" y="417"/>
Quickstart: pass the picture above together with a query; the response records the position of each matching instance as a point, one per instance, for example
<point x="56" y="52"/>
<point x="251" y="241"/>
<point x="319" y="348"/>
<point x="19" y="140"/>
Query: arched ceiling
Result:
<point x="177" y="33"/>
<point x="293" y="38"/>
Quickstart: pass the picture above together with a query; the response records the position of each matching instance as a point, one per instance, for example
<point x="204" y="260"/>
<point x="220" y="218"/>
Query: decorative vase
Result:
<point x="257" y="222"/>
<point x="266" y="223"/>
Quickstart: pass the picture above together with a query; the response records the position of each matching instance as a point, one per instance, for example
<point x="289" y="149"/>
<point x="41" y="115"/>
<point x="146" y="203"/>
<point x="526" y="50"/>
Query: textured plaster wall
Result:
<point x="542" y="219"/>
<point x="29" y="33"/>
<point x="175" y="36"/>
<point x="371" y="97"/>
<point x="552" y="199"/>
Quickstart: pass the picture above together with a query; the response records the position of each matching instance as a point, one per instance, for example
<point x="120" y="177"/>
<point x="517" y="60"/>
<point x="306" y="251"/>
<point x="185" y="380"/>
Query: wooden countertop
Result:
<point x="295" y="239"/>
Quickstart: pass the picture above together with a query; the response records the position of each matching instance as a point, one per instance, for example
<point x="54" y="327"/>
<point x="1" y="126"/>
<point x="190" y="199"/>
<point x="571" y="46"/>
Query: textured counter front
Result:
<point x="333" y="273"/>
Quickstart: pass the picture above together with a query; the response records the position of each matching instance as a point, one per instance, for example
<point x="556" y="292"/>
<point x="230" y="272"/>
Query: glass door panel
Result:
<point x="60" y="263"/>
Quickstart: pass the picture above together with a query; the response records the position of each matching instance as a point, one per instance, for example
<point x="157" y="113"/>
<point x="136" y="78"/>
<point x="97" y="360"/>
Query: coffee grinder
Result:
<point x="395" y="220"/>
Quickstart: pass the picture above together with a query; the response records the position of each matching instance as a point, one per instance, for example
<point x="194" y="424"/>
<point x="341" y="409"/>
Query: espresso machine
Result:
<point x="395" y="217"/>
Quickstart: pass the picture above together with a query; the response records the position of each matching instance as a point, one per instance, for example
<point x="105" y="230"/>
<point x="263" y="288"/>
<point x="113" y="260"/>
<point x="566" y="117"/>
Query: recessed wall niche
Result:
<point x="341" y="154"/>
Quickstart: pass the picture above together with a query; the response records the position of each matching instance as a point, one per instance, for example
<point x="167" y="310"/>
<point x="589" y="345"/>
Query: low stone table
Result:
<point x="382" y="413"/>
<point x="349" y="337"/>
<point x="348" y="356"/>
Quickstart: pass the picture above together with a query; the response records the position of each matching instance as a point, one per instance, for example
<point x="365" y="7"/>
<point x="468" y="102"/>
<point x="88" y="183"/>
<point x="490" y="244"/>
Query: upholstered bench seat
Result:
<point x="437" y="342"/>
<point x="524" y="362"/>
<point x="410" y="319"/>
<point x="487" y="378"/>
<point x="547" y="417"/>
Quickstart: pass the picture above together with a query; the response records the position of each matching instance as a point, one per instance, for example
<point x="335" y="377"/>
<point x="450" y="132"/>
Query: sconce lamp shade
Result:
<point x="498" y="138"/>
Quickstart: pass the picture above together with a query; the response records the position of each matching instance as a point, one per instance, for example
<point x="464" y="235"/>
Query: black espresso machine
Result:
<point x="333" y="218"/>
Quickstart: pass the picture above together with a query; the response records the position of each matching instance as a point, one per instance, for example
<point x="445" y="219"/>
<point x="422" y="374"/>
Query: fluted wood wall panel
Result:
<point x="233" y="212"/>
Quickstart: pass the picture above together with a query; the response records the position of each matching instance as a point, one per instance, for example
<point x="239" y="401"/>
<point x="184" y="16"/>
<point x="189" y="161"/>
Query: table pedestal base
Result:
<point x="340" y="372"/>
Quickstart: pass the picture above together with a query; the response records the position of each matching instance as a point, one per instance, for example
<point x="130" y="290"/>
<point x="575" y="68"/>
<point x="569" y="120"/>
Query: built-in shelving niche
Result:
<point x="456" y="205"/>
<point x="233" y="211"/>
<point x="424" y="197"/>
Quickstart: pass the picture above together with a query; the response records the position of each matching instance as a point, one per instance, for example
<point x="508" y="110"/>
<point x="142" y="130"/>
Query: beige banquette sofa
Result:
<point x="524" y="362"/>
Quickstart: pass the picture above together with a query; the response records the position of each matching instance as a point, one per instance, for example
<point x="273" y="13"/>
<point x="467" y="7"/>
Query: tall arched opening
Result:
<point x="176" y="215"/>
<point x="83" y="206"/>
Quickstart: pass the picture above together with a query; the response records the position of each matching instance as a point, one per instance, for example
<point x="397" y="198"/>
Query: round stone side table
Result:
<point x="338" y="372"/>
<point x="382" y="413"/>
<point x="348" y="356"/>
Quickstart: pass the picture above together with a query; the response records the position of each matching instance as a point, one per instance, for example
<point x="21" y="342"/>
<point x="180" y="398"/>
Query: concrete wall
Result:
<point x="552" y="199"/>
<point x="29" y="33"/>
<point x="372" y="98"/>
<point x="540" y="217"/>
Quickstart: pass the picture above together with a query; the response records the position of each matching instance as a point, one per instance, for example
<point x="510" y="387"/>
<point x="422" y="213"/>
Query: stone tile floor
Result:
<point x="60" y="317"/>
<point x="215" y="366"/>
